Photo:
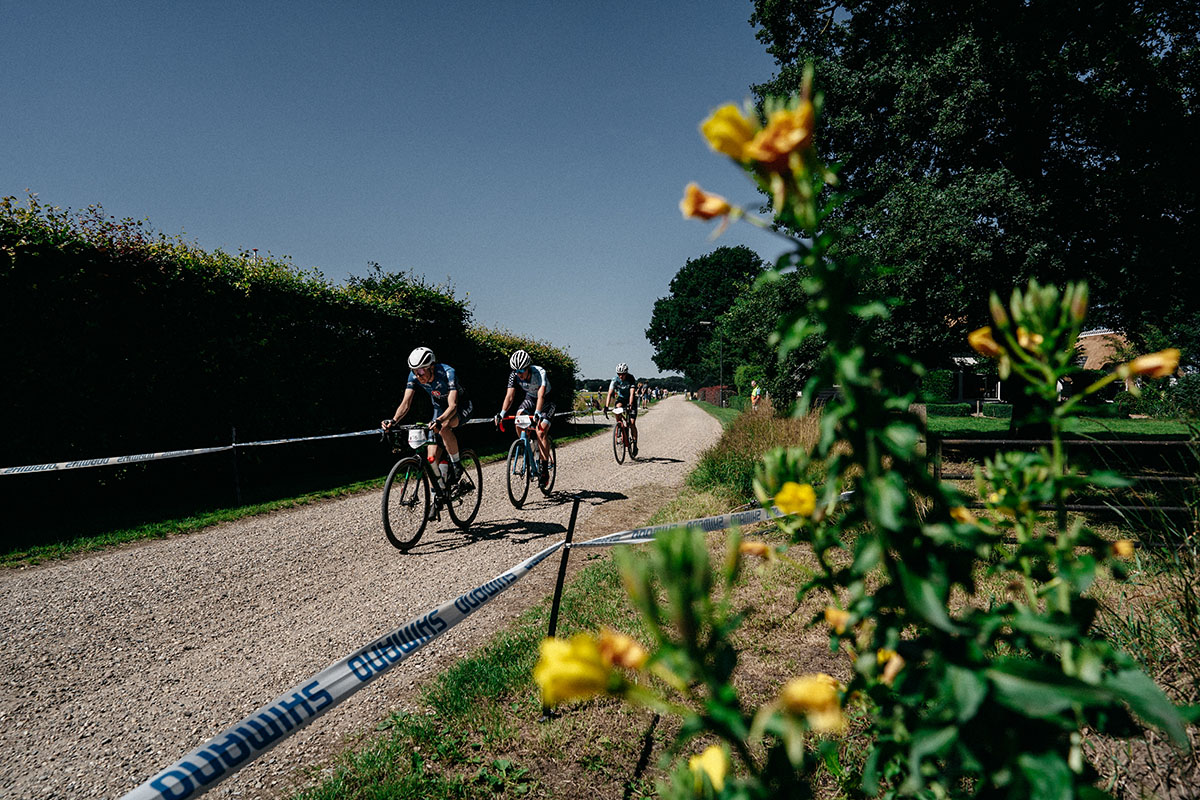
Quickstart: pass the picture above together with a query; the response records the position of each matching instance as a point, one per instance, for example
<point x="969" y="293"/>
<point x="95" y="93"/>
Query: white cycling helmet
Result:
<point x="622" y="368"/>
<point x="520" y="361"/>
<point x="421" y="357"/>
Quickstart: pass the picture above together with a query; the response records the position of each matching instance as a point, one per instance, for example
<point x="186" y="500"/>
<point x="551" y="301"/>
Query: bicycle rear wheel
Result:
<point x="517" y="473"/>
<point x="618" y="443"/>
<point x="553" y="470"/>
<point x="405" y="503"/>
<point x="466" y="495"/>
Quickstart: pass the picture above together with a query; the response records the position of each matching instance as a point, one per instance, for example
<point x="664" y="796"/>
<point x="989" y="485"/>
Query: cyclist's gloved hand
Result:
<point x="387" y="423"/>
<point x="539" y="416"/>
<point x="496" y="419"/>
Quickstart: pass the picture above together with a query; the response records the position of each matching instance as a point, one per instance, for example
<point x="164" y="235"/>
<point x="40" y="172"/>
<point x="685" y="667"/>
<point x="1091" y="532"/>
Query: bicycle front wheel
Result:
<point x="466" y="495"/>
<point x="552" y="466"/>
<point x="405" y="503"/>
<point x="618" y="443"/>
<point x="517" y="474"/>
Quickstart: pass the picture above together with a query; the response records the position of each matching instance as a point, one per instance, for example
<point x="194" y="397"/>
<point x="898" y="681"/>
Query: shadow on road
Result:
<point x="657" y="460"/>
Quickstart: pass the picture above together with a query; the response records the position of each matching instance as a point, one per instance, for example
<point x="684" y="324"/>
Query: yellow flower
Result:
<point x="699" y="204"/>
<point x="570" y="670"/>
<point x="796" y="498"/>
<point x="1122" y="548"/>
<point x="617" y="649"/>
<point x="816" y="697"/>
<point x="837" y="618"/>
<point x="713" y="763"/>
<point x="728" y="131"/>
<point x="962" y="514"/>
<point x="1155" y="365"/>
<point x="892" y="663"/>
<point x="787" y="131"/>
<point x="981" y="340"/>
<point x="760" y="549"/>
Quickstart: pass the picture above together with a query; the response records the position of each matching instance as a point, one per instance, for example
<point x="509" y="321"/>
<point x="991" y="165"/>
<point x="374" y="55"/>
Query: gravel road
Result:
<point x="117" y="663"/>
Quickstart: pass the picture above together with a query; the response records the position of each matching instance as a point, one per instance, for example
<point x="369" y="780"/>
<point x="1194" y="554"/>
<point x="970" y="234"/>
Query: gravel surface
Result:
<point x="115" y="664"/>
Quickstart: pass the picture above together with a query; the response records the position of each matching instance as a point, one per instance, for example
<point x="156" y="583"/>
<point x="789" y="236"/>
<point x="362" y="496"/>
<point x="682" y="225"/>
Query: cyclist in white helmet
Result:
<point x="622" y="391"/>
<point x="531" y="379"/>
<point x="451" y="406"/>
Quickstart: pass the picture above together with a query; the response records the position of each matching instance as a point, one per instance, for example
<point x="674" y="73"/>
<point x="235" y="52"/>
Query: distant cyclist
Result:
<point x="531" y="379"/>
<point x="622" y="391"/>
<point x="451" y="406"/>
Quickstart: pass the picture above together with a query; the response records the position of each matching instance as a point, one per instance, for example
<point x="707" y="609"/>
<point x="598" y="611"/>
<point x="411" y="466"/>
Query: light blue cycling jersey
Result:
<point x="444" y="381"/>
<point x="537" y="379"/>
<point x="620" y="389"/>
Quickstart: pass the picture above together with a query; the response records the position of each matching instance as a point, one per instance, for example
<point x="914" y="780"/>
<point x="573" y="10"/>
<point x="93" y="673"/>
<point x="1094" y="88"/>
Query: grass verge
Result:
<point x="159" y="529"/>
<point x="724" y="415"/>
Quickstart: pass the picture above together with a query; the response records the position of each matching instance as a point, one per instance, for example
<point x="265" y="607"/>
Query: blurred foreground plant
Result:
<point x="965" y="696"/>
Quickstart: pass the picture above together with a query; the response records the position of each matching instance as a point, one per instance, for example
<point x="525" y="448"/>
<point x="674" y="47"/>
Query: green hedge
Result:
<point x="997" y="410"/>
<point x="119" y="341"/>
<point x="949" y="409"/>
<point x="937" y="386"/>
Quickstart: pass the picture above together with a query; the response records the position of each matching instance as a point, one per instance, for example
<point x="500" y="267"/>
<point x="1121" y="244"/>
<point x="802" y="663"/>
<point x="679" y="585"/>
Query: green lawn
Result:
<point x="723" y="415"/>
<point x="967" y="427"/>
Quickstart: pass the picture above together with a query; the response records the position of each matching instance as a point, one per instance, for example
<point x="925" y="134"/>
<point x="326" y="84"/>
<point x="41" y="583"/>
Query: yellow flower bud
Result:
<point x="712" y="763"/>
<point x="982" y="342"/>
<point x="1122" y="548"/>
<point x="699" y="204"/>
<point x="570" y="670"/>
<point x="760" y="549"/>
<point x="1027" y="340"/>
<point x="796" y="498"/>
<point x="816" y="697"/>
<point x="1155" y="365"/>
<point x="962" y="514"/>
<point x="838" y="619"/>
<point x="728" y="131"/>
<point x="617" y="649"/>
<point x="891" y="665"/>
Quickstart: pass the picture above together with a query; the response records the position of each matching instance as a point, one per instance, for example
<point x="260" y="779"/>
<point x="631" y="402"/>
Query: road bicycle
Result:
<point x="416" y="491"/>
<point x="622" y="439"/>
<point x="523" y="462"/>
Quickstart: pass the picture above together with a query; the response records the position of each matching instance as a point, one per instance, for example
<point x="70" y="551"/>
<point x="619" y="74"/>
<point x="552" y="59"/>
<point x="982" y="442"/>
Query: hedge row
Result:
<point x="122" y="341"/>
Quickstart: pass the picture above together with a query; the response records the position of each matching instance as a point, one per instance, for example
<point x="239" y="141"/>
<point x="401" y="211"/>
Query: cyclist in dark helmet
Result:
<point x="533" y="381"/>
<point x="622" y="391"/>
<point x="451" y="405"/>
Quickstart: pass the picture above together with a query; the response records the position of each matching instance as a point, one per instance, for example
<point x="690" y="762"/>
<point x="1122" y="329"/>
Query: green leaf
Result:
<point x="970" y="689"/>
<point x="1038" y="691"/>
<point x="1049" y="776"/>
<point x="1148" y="702"/>
<point x="925" y="600"/>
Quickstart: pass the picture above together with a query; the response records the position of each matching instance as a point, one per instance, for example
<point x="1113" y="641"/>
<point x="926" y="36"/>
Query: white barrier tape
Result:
<point x="101" y="462"/>
<point x="135" y="459"/>
<point x="226" y="753"/>
<point x="717" y="523"/>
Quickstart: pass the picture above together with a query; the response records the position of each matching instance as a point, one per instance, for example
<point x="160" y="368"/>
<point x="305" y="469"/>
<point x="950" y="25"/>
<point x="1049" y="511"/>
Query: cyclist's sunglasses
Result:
<point x="421" y="372"/>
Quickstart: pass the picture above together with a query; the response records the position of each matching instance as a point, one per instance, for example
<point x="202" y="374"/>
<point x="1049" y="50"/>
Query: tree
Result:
<point x="746" y="329"/>
<point x="701" y="291"/>
<point x="993" y="141"/>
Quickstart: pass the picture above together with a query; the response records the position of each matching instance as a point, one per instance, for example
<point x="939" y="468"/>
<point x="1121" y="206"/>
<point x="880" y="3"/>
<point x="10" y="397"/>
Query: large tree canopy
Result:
<point x="702" y="290"/>
<point x="990" y="141"/>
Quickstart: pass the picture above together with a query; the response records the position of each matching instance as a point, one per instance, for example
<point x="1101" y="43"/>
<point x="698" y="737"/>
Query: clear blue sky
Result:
<point x="533" y="153"/>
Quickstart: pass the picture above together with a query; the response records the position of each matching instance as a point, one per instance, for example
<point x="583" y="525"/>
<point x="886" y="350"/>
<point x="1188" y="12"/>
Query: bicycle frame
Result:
<point x="421" y="448"/>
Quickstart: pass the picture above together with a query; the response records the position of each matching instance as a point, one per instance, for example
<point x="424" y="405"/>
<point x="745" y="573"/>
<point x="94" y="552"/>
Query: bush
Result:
<point x="1185" y="395"/>
<point x="1103" y="411"/>
<point x="997" y="410"/>
<point x="937" y="386"/>
<point x="948" y="409"/>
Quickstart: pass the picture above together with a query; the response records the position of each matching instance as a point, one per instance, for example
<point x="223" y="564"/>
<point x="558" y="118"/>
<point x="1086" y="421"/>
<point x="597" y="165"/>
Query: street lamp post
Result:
<point x="720" y="360"/>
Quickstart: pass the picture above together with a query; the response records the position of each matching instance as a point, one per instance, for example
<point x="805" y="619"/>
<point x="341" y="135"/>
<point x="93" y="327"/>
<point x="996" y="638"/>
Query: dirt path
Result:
<point x="115" y="664"/>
